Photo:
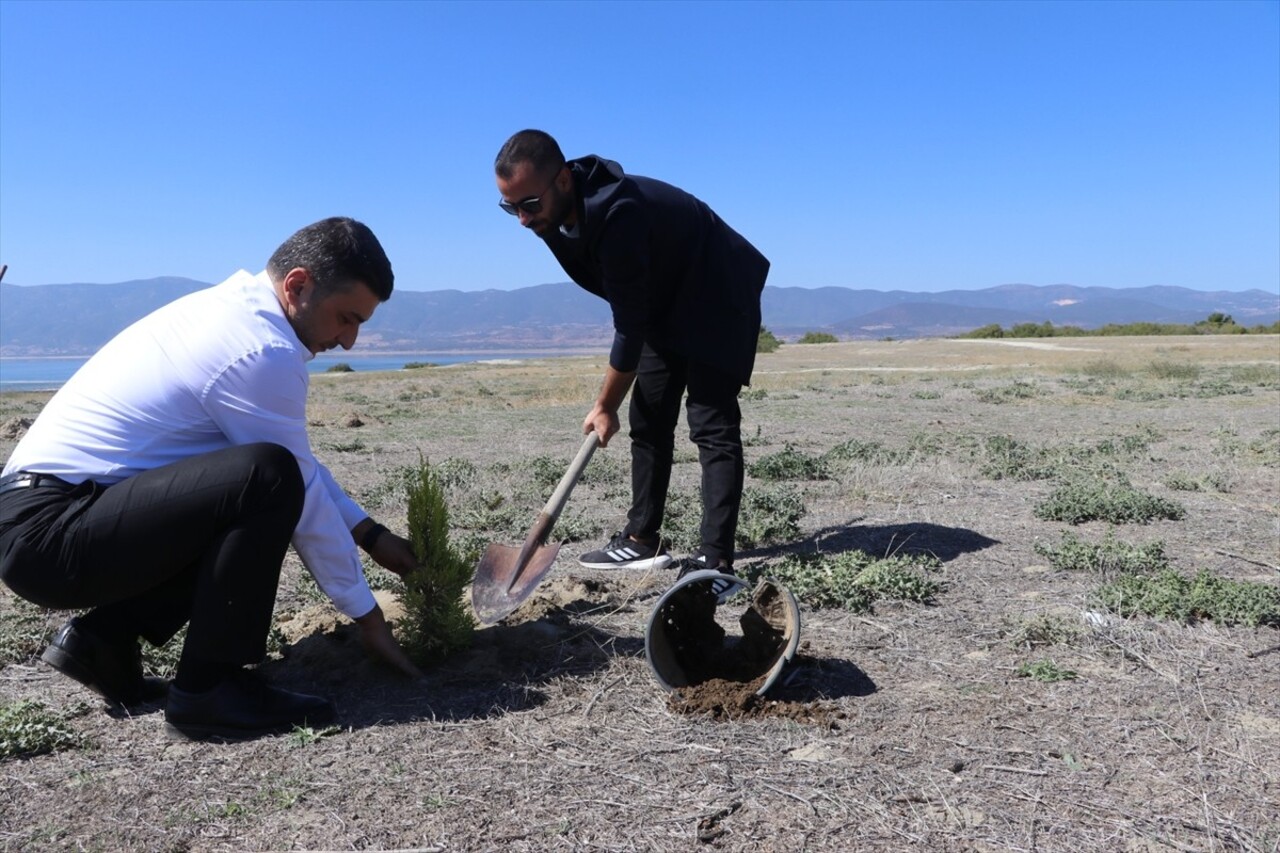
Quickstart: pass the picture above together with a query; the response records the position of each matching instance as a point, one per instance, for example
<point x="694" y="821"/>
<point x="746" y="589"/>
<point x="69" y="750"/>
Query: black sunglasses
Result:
<point x="532" y="204"/>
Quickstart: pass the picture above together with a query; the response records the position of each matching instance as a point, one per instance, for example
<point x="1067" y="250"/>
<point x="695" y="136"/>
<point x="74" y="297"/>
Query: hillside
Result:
<point x="76" y="319"/>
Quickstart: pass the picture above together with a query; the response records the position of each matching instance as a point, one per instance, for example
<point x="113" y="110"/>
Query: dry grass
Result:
<point x="552" y="734"/>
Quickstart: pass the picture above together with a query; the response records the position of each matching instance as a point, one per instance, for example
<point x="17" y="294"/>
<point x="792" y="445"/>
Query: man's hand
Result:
<point x="377" y="639"/>
<point x="603" y="417"/>
<point x="394" y="553"/>
<point x="603" y="422"/>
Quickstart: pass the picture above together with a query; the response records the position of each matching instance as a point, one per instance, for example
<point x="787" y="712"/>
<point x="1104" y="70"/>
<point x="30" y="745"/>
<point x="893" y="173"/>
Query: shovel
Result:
<point x="506" y="575"/>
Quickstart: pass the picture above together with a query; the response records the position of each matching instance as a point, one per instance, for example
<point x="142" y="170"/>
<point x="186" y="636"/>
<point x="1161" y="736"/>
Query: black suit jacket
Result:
<point x="675" y="275"/>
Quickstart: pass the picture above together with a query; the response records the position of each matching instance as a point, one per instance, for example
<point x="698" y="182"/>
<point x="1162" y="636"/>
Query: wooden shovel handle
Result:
<point x="560" y="496"/>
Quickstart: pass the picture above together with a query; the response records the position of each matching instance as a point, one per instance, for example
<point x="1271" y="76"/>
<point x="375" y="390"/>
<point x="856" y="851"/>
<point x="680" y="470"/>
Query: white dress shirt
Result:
<point x="214" y="369"/>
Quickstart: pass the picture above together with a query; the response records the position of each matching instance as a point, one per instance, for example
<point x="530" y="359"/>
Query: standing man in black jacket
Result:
<point x="684" y="289"/>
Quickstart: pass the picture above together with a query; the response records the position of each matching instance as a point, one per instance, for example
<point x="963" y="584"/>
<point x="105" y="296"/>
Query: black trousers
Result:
<point x="715" y="425"/>
<point x="200" y="541"/>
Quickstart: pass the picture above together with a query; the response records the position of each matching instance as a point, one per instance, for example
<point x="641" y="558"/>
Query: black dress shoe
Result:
<point x="113" y="670"/>
<point x="242" y="707"/>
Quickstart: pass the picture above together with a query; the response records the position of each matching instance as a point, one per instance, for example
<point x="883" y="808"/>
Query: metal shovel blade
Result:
<point x="502" y="582"/>
<point x="506" y="575"/>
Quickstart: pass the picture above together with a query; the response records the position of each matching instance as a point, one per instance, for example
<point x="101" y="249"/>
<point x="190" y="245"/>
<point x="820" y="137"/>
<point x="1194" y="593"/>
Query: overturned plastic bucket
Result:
<point x="686" y="645"/>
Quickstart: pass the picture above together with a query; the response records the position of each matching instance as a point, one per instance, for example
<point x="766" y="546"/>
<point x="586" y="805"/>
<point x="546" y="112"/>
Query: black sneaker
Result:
<point x="721" y="588"/>
<point x="623" y="552"/>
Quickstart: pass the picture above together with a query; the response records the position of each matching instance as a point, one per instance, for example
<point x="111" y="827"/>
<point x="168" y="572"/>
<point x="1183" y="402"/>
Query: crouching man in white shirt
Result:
<point x="162" y="485"/>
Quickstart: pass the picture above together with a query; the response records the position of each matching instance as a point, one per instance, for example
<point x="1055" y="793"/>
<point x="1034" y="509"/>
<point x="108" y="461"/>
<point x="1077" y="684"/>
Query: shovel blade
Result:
<point x="502" y="582"/>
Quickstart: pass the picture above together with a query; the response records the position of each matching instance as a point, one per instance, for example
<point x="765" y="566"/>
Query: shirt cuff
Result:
<point x="355" y="603"/>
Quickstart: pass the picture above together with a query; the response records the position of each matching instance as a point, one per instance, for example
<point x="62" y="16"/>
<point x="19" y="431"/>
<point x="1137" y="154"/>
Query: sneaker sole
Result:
<point x="659" y="562"/>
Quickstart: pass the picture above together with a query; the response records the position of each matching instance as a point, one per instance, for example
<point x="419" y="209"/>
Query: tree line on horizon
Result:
<point x="1216" y="323"/>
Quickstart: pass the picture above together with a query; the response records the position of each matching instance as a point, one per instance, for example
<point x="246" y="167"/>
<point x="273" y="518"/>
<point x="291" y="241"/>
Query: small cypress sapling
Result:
<point x="438" y="622"/>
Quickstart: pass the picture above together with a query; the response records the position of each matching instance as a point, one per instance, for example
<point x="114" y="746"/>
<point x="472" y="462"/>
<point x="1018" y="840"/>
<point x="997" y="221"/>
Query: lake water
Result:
<point x="48" y="374"/>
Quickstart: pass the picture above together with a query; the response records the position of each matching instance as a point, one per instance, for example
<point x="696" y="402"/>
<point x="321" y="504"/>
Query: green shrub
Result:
<point x="1261" y="375"/>
<point x="1109" y="557"/>
<point x="769" y="516"/>
<point x="682" y="520"/>
<point x="418" y="365"/>
<point x="304" y="736"/>
<point x="789" y="464"/>
<point x="851" y="580"/>
<point x="1045" y="670"/>
<point x="1042" y="630"/>
<point x="1018" y="390"/>
<point x="1139" y="395"/>
<point x="1097" y="500"/>
<point x="604" y="471"/>
<point x="1214" y="481"/>
<point x="817" y="338"/>
<point x="1169" y="595"/>
<point x="857" y="450"/>
<point x="491" y="511"/>
<point x="452" y="473"/>
<point x="438" y="622"/>
<point x="23" y="629"/>
<point x="1173" y="370"/>
<point x="544" y="473"/>
<point x="1010" y="459"/>
<point x="28" y="728"/>
<point x="766" y="341"/>
<point x="353" y="446"/>
<point x="921" y="445"/>
<point x="1104" y="369"/>
<point x="991" y="330"/>
<point x="900" y="578"/>
<point x="1266" y="448"/>
<point x="162" y="661"/>
<point x="1211" y="388"/>
<point x="340" y="367"/>
<point x="1132" y="445"/>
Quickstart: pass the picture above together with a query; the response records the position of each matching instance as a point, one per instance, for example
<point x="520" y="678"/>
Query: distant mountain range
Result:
<point x="76" y="319"/>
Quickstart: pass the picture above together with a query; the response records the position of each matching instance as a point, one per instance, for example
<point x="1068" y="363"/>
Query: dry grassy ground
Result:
<point x="551" y="733"/>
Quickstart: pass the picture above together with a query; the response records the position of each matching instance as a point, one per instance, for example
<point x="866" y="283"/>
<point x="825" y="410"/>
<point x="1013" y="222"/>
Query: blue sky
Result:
<point x="916" y="146"/>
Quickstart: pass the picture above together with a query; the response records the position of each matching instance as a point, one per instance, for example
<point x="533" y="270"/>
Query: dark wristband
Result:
<point x="370" y="537"/>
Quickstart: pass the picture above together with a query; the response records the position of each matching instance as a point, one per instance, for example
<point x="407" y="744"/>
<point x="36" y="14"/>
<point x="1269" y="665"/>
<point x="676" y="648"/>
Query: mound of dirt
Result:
<point x="737" y="700"/>
<point x="15" y="428"/>
<point x="559" y="595"/>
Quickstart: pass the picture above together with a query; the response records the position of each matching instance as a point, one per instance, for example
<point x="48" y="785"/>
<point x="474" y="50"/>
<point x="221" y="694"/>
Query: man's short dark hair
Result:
<point x="338" y="252"/>
<point x="529" y="146"/>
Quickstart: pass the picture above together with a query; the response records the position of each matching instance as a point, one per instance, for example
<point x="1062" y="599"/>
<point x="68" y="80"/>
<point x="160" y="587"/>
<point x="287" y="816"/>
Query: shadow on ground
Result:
<point x="810" y="679"/>
<point x="945" y="543"/>
<point x="500" y="674"/>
